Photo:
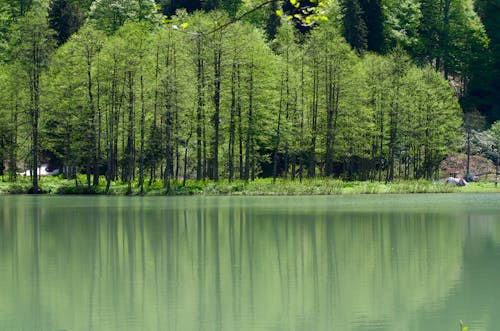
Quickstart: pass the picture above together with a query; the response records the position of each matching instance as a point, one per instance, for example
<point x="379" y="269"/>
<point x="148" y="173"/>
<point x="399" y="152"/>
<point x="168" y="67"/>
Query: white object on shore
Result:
<point x="456" y="181"/>
<point x="42" y="171"/>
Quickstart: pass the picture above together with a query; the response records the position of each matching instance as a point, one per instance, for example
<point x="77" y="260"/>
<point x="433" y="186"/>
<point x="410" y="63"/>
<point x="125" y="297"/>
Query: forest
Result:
<point x="139" y="91"/>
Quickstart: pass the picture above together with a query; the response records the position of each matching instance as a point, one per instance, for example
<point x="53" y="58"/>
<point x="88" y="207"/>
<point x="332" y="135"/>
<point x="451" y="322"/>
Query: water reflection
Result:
<point x="78" y="263"/>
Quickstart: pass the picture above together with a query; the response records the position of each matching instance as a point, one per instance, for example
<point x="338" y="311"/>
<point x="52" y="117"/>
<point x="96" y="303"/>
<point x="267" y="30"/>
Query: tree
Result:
<point x="74" y="126"/>
<point x="273" y="21"/>
<point x="217" y="47"/>
<point x="402" y="20"/>
<point x="355" y="31"/>
<point x="485" y="76"/>
<point x="112" y="69"/>
<point x="33" y="42"/>
<point x="372" y="14"/>
<point x="287" y="133"/>
<point x="65" y="17"/>
<point x="91" y="43"/>
<point x="109" y="15"/>
<point x="399" y="66"/>
<point x="18" y="8"/>
<point x="376" y="76"/>
<point x="443" y="26"/>
<point x="13" y="102"/>
<point x="431" y="117"/>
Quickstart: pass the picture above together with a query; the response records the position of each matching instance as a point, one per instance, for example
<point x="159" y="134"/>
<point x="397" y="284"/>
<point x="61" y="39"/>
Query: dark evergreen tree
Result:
<point x="168" y="7"/>
<point x="374" y="19"/>
<point x="428" y="31"/>
<point x="355" y="31"/>
<point x="273" y="21"/>
<point x="485" y="81"/>
<point x="65" y="17"/>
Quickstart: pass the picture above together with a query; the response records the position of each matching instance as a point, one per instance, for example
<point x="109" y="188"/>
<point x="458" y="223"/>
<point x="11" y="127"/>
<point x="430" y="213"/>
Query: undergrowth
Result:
<point x="260" y="186"/>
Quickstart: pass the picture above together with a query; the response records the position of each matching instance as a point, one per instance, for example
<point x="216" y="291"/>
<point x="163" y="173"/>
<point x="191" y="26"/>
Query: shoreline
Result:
<point x="257" y="187"/>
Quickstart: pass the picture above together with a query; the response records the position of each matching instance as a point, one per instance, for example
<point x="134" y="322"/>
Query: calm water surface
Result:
<point x="363" y="263"/>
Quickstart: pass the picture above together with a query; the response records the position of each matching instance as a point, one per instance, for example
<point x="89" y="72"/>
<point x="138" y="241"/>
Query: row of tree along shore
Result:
<point x="193" y="98"/>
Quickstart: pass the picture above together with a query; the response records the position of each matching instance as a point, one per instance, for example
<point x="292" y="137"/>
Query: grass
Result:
<point x="261" y="186"/>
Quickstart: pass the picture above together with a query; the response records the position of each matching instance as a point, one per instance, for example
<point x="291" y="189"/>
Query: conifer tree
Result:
<point x="65" y="17"/>
<point x="33" y="42"/>
<point x="372" y="14"/>
<point x="355" y="30"/>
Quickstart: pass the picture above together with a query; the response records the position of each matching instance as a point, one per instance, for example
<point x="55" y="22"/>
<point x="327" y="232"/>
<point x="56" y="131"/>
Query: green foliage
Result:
<point x="109" y="15"/>
<point x="402" y="21"/>
<point x="200" y="98"/>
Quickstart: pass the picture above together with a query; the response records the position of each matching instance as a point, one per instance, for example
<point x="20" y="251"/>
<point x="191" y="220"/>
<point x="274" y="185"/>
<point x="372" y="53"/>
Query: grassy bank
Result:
<point x="58" y="185"/>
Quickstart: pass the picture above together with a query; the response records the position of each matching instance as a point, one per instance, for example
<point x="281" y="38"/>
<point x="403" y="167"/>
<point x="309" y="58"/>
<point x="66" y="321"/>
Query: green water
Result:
<point x="391" y="262"/>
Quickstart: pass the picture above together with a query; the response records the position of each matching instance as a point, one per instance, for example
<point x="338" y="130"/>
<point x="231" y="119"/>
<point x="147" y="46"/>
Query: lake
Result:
<point x="361" y="263"/>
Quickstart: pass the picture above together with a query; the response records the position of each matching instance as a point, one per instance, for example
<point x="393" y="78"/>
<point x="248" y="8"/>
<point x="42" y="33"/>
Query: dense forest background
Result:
<point x="139" y="91"/>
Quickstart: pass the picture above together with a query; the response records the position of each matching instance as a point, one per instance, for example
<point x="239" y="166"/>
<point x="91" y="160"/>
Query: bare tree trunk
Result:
<point x="199" y="110"/>
<point x="240" y="126"/>
<point x="184" y="176"/>
<point x="35" y="116"/>
<point x="130" y="134"/>
<point x="154" y="137"/>
<point x="99" y="130"/>
<point x="216" y="99"/>
<point x="13" y="144"/>
<point x="311" y="172"/>
<point x="143" y="133"/>
<point x="168" y="150"/>
<point x="176" y="116"/>
<point x="277" y="137"/>
<point x="92" y="143"/>
<point x="232" y="128"/>
<point x="249" y="135"/>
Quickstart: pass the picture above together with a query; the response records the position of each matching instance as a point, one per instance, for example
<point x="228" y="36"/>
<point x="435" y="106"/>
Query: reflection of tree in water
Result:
<point x="391" y="265"/>
<point x="162" y="264"/>
<point x="478" y="298"/>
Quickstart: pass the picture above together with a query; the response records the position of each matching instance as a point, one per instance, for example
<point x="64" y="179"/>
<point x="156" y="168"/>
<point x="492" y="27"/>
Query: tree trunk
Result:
<point x="168" y="150"/>
<point x="240" y="126"/>
<point x="168" y="126"/>
<point x="99" y="131"/>
<point x="199" y="110"/>
<point x="143" y="133"/>
<point x="130" y="134"/>
<point x="249" y="135"/>
<point x="13" y="145"/>
<point x="329" y="120"/>
<point x="92" y="143"/>
<point x="232" y="129"/>
<point x="216" y="116"/>
<point x="35" y="116"/>
<point x="311" y="171"/>
<point x="278" y="136"/>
